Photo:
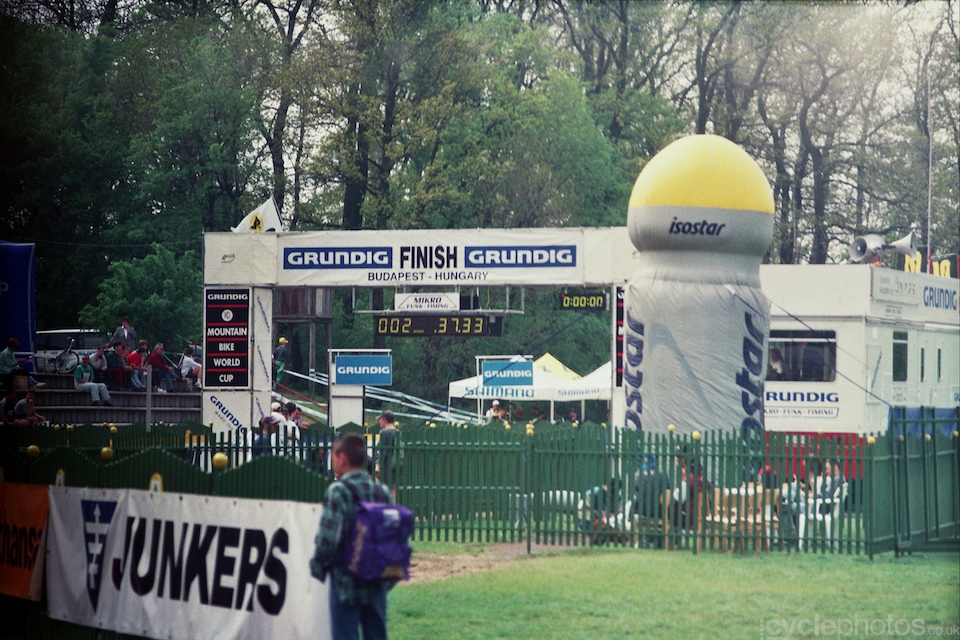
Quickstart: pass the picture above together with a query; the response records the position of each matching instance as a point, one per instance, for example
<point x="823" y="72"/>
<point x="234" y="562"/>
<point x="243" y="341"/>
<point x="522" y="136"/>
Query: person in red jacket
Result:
<point x="162" y="370"/>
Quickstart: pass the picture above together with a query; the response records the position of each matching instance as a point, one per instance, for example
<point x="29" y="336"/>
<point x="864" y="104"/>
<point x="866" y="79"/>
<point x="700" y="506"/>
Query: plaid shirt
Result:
<point x="336" y="525"/>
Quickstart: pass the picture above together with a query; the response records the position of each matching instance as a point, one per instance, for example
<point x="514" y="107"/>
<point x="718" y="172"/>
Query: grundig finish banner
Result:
<point x="422" y="258"/>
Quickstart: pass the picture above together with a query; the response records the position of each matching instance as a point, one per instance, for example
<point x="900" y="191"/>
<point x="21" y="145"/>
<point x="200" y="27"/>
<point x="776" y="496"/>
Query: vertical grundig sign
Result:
<point x="366" y="370"/>
<point x="507" y="373"/>
<point x="226" y="338"/>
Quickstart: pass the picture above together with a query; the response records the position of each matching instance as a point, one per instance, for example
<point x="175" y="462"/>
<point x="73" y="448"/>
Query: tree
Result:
<point x="292" y="22"/>
<point x="509" y="141"/>
<point x="628" y="64"/>
<point x="160" y="293"/>
<point x="192" y="162"/>
<point x="934" y="116"/>
<point x="63" y="178"/>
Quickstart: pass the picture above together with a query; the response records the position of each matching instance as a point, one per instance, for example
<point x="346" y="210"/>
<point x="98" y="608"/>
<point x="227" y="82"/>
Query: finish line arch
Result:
<point x="241" y="271"/>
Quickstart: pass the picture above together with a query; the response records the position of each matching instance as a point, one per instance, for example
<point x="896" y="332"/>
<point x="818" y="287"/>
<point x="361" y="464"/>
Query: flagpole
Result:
<point x="929" y="181"/>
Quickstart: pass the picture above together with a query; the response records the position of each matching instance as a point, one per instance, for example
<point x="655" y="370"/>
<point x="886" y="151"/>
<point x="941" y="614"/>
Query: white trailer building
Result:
<point x="855" y="340"/>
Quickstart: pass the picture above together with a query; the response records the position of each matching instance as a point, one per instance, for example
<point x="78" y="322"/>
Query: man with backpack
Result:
<point x="354" y="602"/>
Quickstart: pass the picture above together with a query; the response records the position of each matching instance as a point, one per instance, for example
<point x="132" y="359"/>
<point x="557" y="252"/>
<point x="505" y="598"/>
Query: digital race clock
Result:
<point x="420" y="326"/>
<point x="583" y="300"/>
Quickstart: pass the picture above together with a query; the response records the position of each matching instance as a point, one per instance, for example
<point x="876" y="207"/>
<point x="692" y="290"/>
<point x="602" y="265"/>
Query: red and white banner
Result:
<point x="23" y="526"/>
<point x="179" y="566"/>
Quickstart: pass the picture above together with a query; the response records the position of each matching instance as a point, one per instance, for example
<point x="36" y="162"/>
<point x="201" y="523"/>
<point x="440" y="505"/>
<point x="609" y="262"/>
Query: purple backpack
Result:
<point x="378" y="548"/>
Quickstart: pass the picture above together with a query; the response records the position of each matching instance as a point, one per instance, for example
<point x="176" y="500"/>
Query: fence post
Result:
<point x="868" y="497"/>
<point x="149" y="397"/>
<point x="694" y="471"/>
<point x="528" y="485"/>
<point x="924" y="458"/>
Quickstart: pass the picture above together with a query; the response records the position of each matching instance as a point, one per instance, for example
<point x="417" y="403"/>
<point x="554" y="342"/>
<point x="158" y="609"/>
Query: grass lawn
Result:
<point x="613" y="593"/>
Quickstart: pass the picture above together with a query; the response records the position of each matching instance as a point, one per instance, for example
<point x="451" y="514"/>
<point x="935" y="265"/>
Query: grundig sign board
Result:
<point x="226" y="338"/>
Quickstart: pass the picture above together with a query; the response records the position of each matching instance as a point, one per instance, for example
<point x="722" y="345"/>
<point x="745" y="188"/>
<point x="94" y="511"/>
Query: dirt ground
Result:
<point x="428" y="567"/>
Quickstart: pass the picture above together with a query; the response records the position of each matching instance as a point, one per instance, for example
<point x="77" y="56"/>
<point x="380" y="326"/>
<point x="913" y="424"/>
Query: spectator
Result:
<point x="812" y="364"/>
<point x="692" y="483"/>
<point x="296" y="416"/>
<point x="125" y="335"/>
<point x="600" y="511"/>
<point x="768" y="477"/>
<point x="813" y="486"/>
<point x="833" y="481"/>
<point x="24" y="410"/>
<point x="162" y="371"/>
<point x="832" y="494"/>
<point x="138" y="368"/>
<point x="650" y="485"/>
<point x="775" y="368"/>
<point x="354" y="603"/>
<point x="574" y="416"/>
<point x="494" y="411"/>
<point x="8" y="411"/>
<point x="389" y="453"/>
<point x="189" y="368"/>
<point x="280" y="355"/>
<point x="98" y="361"/>
<point x="291" y="430"/>
<point x="793" y="507"/>
<point x="9" y="365"/>
<point x="83" y="381"/>
<point x="118" y="368"/>
<point x="265" y="441"/>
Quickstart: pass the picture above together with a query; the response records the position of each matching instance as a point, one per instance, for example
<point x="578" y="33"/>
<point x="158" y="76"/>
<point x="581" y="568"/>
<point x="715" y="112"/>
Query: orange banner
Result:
<point x="23" y="528"/>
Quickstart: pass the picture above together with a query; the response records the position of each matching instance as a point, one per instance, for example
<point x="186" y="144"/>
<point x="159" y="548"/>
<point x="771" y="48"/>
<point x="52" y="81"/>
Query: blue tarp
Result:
<point x="18" y="318"/>
<point x="920" y="421"/>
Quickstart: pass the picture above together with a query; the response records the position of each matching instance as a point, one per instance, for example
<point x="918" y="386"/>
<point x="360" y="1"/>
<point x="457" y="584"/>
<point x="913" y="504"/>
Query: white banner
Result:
<point x="436" y="257"/>
<point x="178" y="566"/>
<point x="423" y="258"/>
<point x="427" y="301"/>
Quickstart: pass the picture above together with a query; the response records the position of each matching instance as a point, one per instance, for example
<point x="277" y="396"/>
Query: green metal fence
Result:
<point x="912" y="501"/>
<point x="555" y="484"/>
<point x="564" y="485"/>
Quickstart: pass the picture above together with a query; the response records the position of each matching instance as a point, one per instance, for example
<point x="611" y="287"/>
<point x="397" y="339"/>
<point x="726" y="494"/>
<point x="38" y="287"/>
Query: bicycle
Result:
<point x="67" y="360"/>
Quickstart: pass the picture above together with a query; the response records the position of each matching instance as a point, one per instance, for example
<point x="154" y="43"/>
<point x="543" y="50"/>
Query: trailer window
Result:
<point x="899" y="356"/>
<point x="804" y="356"/>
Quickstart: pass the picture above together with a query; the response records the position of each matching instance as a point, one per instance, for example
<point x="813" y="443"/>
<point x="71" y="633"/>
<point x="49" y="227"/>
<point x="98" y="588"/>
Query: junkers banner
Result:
<point x="166" y="565"/>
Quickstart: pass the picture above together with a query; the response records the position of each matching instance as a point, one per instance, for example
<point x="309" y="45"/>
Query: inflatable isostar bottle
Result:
<point x="701" y="218"/>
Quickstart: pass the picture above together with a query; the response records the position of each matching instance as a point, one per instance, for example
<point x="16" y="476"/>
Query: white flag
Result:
<point x="263" y="218"/>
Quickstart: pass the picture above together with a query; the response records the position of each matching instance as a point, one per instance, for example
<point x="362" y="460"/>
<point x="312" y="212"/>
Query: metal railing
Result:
<point x="563" y="484"/>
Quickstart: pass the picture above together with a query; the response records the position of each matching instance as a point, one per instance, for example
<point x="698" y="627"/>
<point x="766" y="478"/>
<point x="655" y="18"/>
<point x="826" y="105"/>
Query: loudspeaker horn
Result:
<point x="866" y="247"/>
<point x="905" y="245"/>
